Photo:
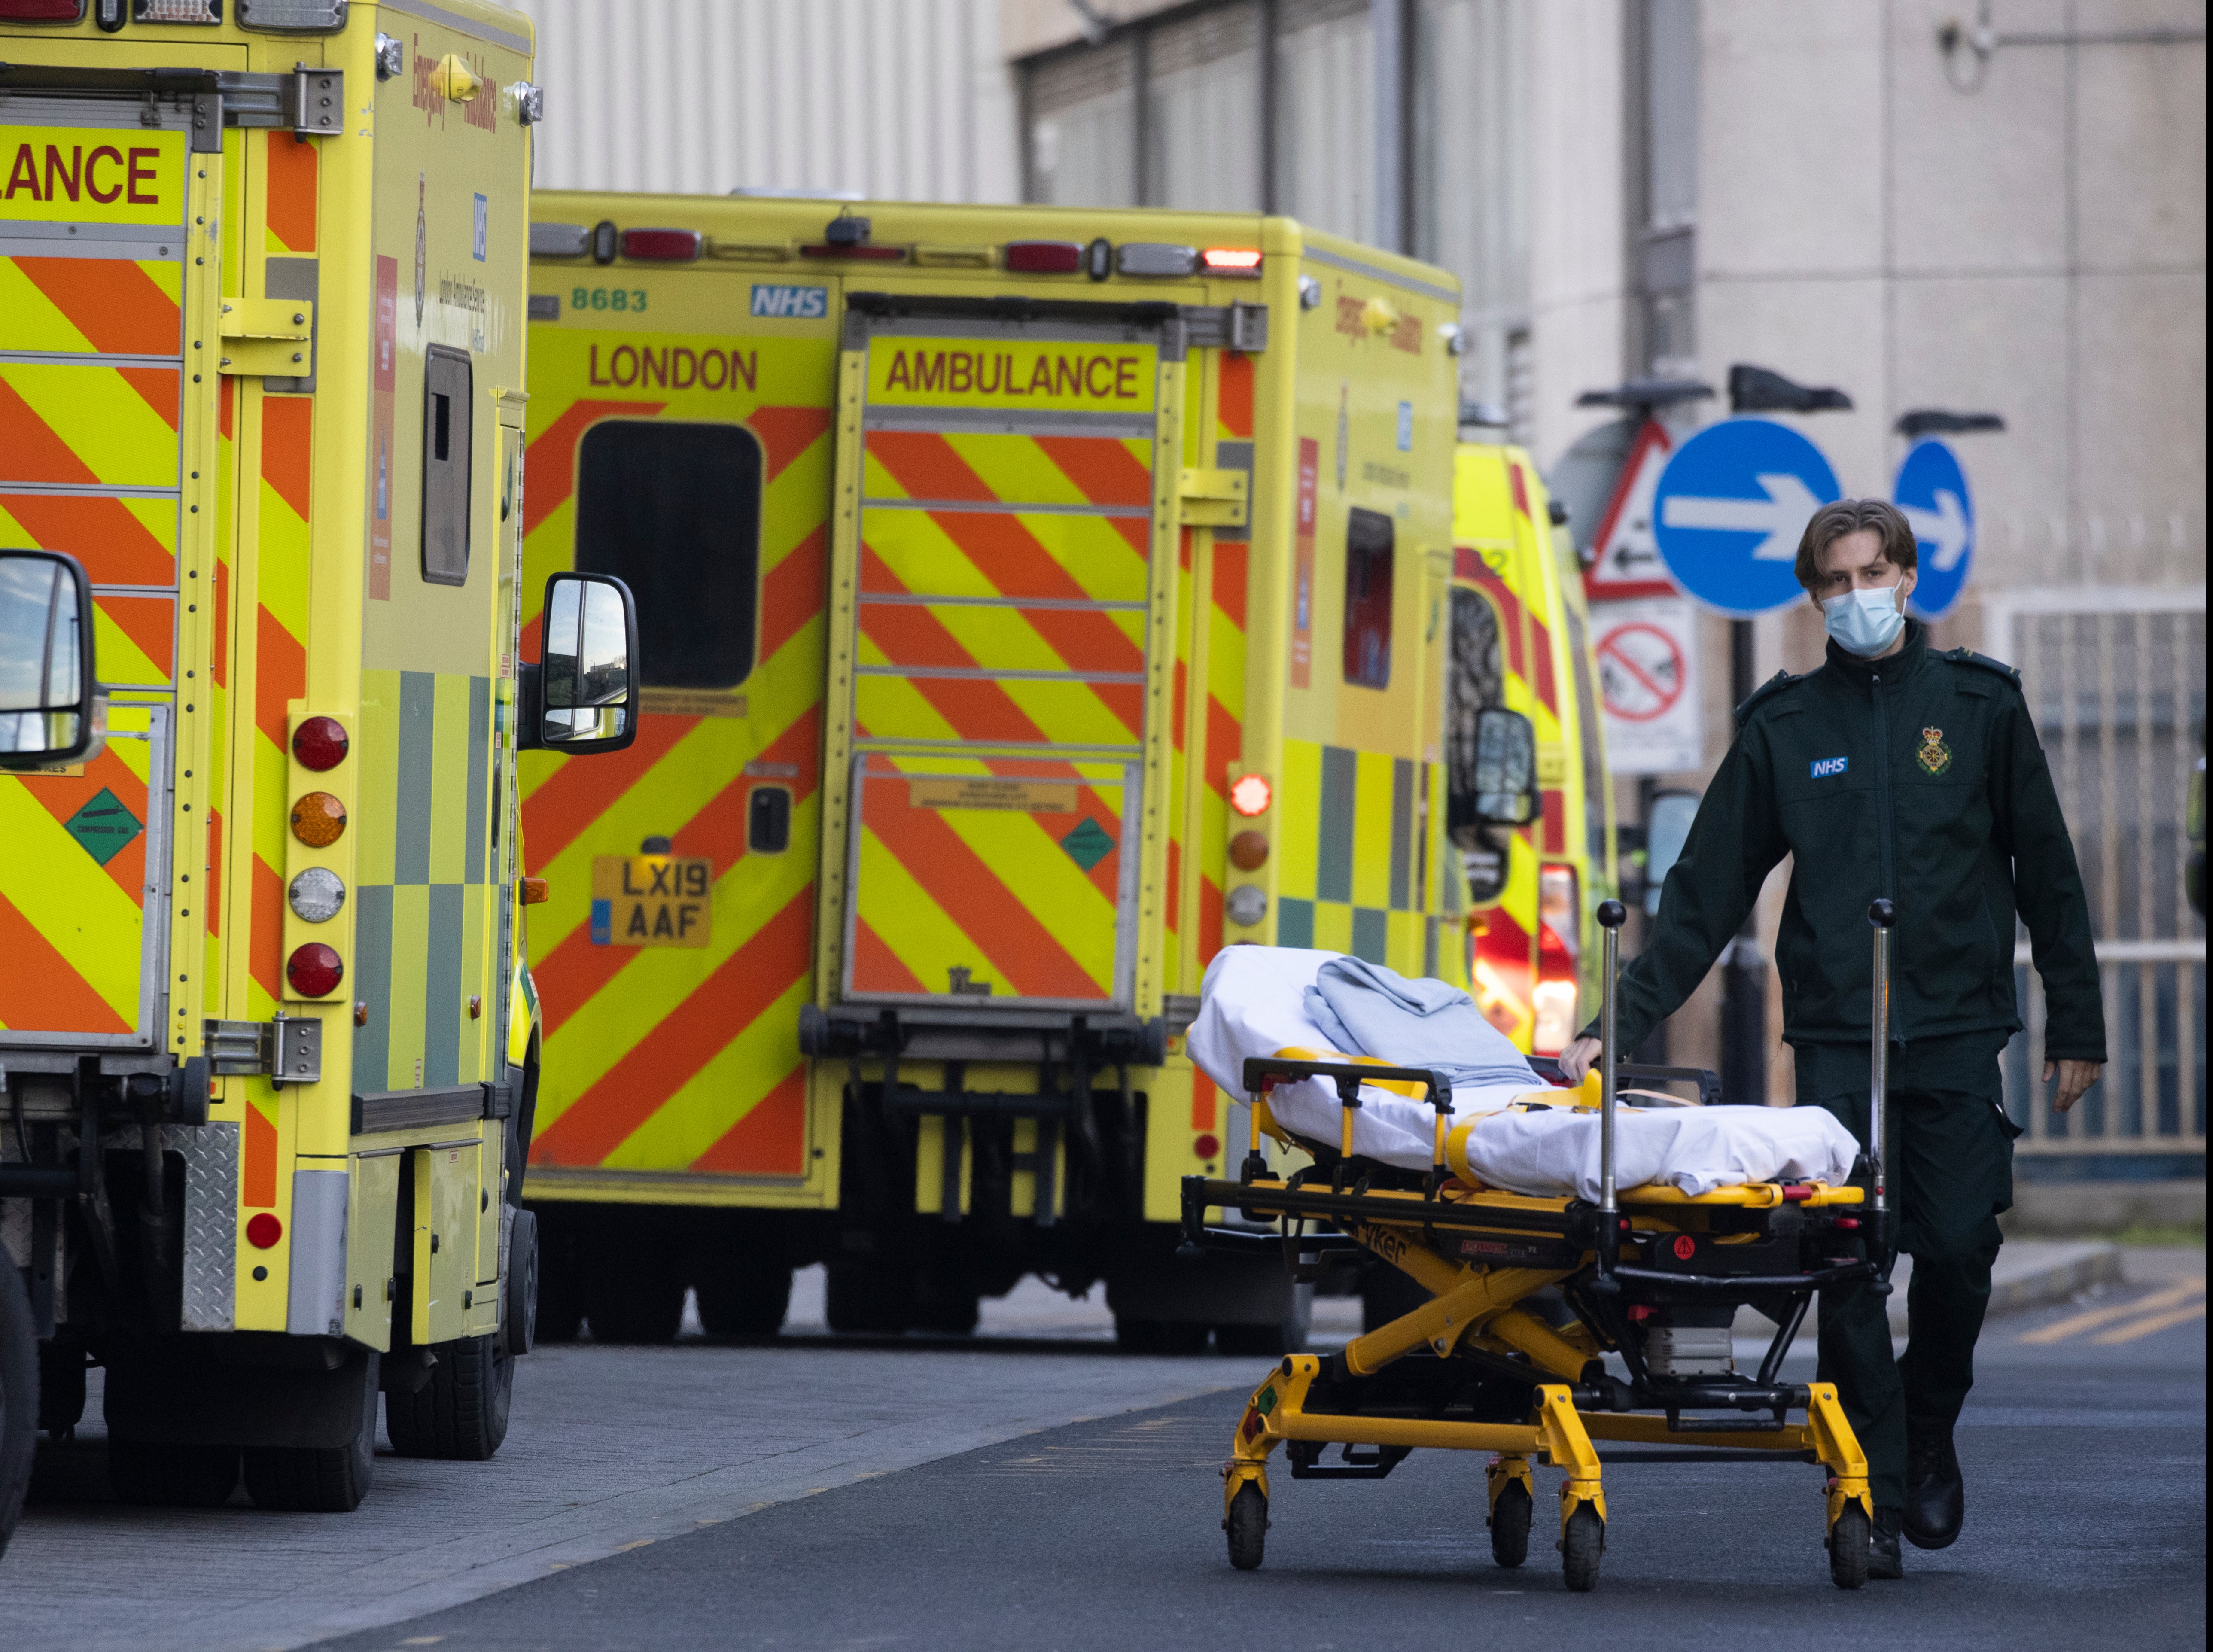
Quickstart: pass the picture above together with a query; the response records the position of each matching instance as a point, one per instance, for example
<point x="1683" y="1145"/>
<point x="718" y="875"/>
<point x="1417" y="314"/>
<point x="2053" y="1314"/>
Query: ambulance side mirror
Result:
<point x="1666" y="827"/>
<point x="1505" y="767"/>
<point x="582" y="696"/>
<point x="51" y="709"/>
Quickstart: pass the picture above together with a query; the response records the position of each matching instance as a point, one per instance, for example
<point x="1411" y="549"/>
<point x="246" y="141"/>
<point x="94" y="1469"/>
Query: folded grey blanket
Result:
<point x="1369" y="1010"/>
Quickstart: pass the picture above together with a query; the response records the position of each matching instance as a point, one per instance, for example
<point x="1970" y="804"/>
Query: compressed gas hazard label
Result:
<point x="652" y="900"/>
<point x="1046" y="375"/>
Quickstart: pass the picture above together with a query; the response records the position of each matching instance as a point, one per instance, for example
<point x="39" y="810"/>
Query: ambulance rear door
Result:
<point x="98" y="289"/>
<point x="1001" y="642"/>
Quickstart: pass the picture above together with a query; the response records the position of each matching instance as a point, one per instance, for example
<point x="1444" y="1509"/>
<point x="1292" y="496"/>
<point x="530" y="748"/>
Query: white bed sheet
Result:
<point x="1252" y="1003"/>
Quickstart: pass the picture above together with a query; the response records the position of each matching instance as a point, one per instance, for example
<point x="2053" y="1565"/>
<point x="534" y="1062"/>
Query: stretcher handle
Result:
<point x="1882" y="915"/>
<point x="1708" y="1081"/>
<point x="1611" y="914"/>
<point x="1263" y="1073"/>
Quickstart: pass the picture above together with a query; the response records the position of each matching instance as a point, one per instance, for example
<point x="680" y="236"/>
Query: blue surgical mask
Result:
<point x="1864" y="622"/>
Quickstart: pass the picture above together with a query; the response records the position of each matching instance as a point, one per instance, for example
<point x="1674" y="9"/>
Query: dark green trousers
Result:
<point x="1950" y="1153"/>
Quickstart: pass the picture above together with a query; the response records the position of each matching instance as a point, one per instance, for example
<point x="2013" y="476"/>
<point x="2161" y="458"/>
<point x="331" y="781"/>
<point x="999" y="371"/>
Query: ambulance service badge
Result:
<point x="1935" y="755"/>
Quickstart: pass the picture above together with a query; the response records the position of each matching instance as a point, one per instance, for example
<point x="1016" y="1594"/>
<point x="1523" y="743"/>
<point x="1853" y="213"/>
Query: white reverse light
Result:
<point x="317" y="894"/>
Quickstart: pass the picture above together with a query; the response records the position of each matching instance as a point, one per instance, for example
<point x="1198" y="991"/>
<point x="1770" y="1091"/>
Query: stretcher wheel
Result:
<point x="1247" y="1526"/>
<point x="1580" y="1544"/>
<point x="1850" y="1541"/>
<point x="1509" y="1526"/>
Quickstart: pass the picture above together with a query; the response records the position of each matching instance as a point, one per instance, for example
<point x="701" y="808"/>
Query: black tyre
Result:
<point x="1247" y="1526"/>
<point x="1850" y="1541"/>
<point x="560" y="1288"/>
<point x="461" y="1412"/>
<point x="19" y="1396"/>
<point x="634" y="1296"/>
<point x="61" y="1387"/>
<point x="518" y="1301"/>
<point x="867" y="1298"/>
<point x="1580" y="1545"/>
<point x="744" y="1299"/>
<point x="166" y="1475"/>
<point x="318" y="1480"/>
<point x="1509" y="1525"/>
<point x="1134" y="1336"/>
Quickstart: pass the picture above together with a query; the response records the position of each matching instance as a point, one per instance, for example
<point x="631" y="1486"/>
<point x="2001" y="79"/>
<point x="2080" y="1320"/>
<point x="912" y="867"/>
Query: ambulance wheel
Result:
<point x="1134" y="1336"/>
<point x="318" y="1480"/>
<point x="1247" y="1526"/>
<point x="171" y="1476"/>
<point x="1850" y="1541"/>
<point x="460" y="1414"/>
<point x="867" y="1298"/>
<point x="633" y="1296"/>
<point x="560" y="1294"/>
<point x="1581" y="1545"/>
<point x="741" y="1299"/>
<point x="1509" y="1525"/>
<point x="19" y="1396"/>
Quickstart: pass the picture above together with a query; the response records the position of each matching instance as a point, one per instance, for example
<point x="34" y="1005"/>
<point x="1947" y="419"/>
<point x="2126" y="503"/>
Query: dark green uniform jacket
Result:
<point x="1917" y="777"/>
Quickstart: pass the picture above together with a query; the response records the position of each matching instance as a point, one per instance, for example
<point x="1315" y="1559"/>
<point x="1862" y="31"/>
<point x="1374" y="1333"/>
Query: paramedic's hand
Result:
<point x="2074" y="1077"/>
<point x="1575" y="1060"/>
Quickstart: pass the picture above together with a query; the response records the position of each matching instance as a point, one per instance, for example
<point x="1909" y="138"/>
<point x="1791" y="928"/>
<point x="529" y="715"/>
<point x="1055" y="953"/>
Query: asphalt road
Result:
<point x="1032" y="1488"/>
<point x="2086" y="1466"/>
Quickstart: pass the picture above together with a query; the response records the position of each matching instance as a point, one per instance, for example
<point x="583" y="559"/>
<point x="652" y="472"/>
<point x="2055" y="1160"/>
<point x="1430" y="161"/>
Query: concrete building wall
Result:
<point x="890" y="99"/>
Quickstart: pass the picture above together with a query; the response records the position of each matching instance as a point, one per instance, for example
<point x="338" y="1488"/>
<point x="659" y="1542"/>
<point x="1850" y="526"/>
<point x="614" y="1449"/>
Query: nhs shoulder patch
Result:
<point x="1824" y="767"/>
<point x="791" y="303"/>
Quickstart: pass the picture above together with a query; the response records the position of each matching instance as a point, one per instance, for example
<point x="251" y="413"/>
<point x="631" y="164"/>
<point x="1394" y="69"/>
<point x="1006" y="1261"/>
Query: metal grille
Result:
<point x="2115" y="679"/>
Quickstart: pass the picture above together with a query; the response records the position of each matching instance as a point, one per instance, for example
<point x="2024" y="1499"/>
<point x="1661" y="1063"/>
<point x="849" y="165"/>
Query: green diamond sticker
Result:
<point x="1088" y="844"/>
<point x="104" y="827"/>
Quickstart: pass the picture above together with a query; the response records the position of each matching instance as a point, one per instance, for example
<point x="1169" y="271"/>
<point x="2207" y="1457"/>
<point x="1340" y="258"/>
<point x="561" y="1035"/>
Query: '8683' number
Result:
<point x="607" y="298"/>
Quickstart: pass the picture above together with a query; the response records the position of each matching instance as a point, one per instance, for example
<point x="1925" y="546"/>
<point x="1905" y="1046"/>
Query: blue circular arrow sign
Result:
<point x="1730" y="509"/>
<point x="1932" y="491"/>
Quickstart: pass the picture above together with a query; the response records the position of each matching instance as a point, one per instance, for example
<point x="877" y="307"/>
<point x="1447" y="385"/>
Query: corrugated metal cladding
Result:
<point x="906" y="100"/>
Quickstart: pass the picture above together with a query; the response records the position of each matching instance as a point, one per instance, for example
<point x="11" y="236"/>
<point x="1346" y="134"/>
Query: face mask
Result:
<point x="1864" y="623"/>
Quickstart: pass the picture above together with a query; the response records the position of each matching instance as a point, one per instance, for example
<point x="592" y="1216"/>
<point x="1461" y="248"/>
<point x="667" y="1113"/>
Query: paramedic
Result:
<point x="1893" y="771"/>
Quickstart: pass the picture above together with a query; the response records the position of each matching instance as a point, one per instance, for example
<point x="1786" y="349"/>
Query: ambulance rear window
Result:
<point x="1368" y="540"/>
<point x="673" y="511"/>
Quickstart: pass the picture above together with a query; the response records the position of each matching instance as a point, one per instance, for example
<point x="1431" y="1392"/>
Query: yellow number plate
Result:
<point x="652" y="900"/>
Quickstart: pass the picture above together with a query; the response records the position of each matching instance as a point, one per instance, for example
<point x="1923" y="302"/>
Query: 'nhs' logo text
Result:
<point x="1824" y="766"/>
<point x="792" y="303"/>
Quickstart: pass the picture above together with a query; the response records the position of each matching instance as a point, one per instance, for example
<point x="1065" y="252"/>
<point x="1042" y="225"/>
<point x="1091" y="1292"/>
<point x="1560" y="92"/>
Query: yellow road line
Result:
<point x="2060" y="1329"/>
<point x="2131" y="1331"/>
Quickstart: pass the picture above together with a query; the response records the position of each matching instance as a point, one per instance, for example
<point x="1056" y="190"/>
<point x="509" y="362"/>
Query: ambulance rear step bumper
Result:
<point x="958" y="1033"/>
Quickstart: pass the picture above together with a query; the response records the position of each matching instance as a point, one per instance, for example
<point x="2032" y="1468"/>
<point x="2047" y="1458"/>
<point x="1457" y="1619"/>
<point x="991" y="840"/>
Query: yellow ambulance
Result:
<point x="264" y="1027"/>
<point x="1033" y="601"/>
<point x="1521" y="639"/>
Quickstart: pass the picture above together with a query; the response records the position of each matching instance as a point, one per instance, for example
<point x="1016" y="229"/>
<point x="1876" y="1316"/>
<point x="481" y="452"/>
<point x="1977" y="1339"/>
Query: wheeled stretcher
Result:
<point x="1650" y="1273"/>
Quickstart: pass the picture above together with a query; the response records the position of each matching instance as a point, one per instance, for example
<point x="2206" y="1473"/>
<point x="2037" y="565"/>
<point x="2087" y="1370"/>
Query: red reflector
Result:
<point x="1044" y="257"/>
<point x="879" y="254"/>
<point x="41" y="11"/>
<point x="263" y="1230"/>
<point x="673" y="246"/>
<point x="1685" y="1247"/>
<point x="1640" y="1311"/>
<point x="320" y="743"/>
<point x="1231" y="260"/>
<point x="1206" y="1146"/>
<point x="1250" y="795"/>
<point x="315" y="969"/>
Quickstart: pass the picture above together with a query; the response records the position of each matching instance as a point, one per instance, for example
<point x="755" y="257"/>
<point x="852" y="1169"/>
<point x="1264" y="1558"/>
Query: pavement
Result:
<point x="1033" y="1487"/>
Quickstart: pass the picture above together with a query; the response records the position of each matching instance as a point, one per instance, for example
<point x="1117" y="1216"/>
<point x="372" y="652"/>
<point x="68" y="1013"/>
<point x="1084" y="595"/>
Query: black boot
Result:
<point x="1884" y="1562"/>
<point x="1935" y="1497"/>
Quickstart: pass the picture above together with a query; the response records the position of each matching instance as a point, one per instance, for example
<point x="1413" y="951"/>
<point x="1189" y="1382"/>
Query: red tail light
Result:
<point x="1231" y="260"/>
<point x="668" y="245"/>
<point x="315" y="969"/>
<point x="1044" y="257"/>
<point x="1559" y="948"/>
<point x="320" y="743"/>
<point x="41" y="11"/>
